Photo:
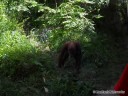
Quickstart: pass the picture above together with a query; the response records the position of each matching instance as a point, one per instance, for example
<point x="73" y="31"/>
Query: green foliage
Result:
<point x="15" y="48"/>
<point x="99" y="51"/>
<point x="17" y="45"/>
<point x="67" y="22"/>
<point x="5" y="23"/>
<point x="67" y="86"/>
<point x="31" y="64"/>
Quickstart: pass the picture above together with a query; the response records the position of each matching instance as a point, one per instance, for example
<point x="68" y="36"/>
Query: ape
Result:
<point x="72" y="49"/>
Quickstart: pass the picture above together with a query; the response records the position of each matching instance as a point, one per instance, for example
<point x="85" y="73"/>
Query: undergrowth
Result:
<point x="27" y="65"/>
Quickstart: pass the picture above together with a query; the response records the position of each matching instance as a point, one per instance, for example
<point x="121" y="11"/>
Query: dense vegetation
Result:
<point x="31" y="35"/>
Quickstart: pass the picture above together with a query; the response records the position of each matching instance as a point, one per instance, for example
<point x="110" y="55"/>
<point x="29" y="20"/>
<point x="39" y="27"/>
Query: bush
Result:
<point x="15" y="48"/>
<point x="21" y="55"/>
<point x="65" y="23"/>
<point x="68" y="86"/>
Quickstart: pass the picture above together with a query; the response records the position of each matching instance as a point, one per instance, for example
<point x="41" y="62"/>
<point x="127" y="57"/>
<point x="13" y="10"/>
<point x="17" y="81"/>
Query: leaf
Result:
<point x="46" y="8"/>
<point x="97" y="16"/>
<point x="32" y="3"/>
<point x="85" y="1"/>
<point x="46" y="89"/>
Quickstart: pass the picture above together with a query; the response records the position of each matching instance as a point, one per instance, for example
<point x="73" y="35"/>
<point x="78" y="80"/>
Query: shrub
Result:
<point x="14" y="49"/>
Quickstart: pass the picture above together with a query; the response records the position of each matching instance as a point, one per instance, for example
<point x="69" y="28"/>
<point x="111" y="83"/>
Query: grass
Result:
<point x="27" y="68"/>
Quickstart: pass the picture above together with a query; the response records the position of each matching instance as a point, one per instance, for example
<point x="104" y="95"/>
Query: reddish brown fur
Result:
<point x="73" y="49"/>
